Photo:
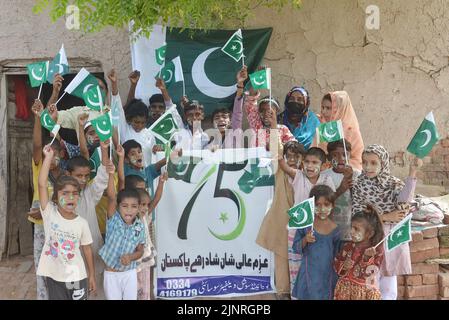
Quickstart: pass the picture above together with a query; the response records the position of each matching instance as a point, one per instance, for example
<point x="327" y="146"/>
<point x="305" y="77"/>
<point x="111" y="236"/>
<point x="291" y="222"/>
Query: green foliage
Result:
<point x="198" y="14"/>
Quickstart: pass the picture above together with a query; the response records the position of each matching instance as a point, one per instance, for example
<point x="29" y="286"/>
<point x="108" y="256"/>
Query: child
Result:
<point x="134" y="163"/>
<point x="192" y="137"/>
<point x="147" y="261"/>
<point x="273" y="234"/>
<point x="134" y="182"/>
<point x="65" y="233"/>
<point x="124" y="246"/>
<point x="378" y="188"/>
<point x="342" y="176"/>
<point x="358" y="263"/>
<point x="319" y="245"/>
<point x="34" y="216"/>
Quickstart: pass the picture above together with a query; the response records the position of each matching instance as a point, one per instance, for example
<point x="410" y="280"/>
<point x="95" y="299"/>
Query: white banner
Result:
<point x="207" y="222"/>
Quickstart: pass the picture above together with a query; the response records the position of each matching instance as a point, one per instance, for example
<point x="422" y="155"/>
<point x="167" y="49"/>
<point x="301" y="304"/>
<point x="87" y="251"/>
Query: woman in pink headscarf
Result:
<point x="337" y="106"/>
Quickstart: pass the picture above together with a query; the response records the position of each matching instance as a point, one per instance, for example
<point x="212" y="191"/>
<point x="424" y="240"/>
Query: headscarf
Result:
<point x="342" y="110"/>
<point x="381" y="191"/>
<point x="306" y="129"/>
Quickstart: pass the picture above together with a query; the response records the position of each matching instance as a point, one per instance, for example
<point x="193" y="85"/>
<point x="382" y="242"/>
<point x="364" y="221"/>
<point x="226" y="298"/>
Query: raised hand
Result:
<point x="37" y="107"/>
<point x="120" y="151"/>
<point x="310" y="238"/>
<point x="57" y="82"/>
<point x="242" y="75"/>
<point x="134" y="76"/>
<point x="160" y="84"/>
<point x="105" y="144"/>
<point x="110" y="168"/>
<point x="112" y="76"/>
<point x="48" y="152"/>
<point x="163" y="177"/>
<point x="53" y="111"/>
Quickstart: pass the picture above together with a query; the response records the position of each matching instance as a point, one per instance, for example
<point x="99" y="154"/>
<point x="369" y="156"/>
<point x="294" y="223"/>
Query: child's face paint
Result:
<point x="68" y="198"/>
<point x="135" y="157"/>
<point x="312" y="166"/>
<point x="338" y="159"/>
<point x="371" y="165"/>
<point x="92" y="137"/>
<point x="323" y="208"/>
<point x="358" y="231"/>
<point x="82" y="175"/>
<point x="293" y="159"/>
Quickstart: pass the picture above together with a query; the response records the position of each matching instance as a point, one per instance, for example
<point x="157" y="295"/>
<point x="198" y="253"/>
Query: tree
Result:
<point x="201" y="14"/>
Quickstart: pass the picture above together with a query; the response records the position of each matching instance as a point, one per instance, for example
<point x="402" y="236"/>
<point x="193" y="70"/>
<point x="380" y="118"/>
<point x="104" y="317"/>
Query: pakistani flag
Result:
<point x="302" y="215"/>
<point x="95" y="162"/>
<point x="37" y="72"/>
<point x="160" y="55"/>
<point x="94" y="98"/>
<point x="167" y="125"/>
<point x="261" y="79"/>
<point x="103" y="126"/>
<point x="425" y="138"/>
<point x="330" y="131"/>
<point x="234" y="46"/>
<point x="401" y="233"/>
<point x="172" y="72"/>
<point x="58" y="65"/>
<point x="48" y="123"/>
<point x="209" y="74"/>
<point x="82" y="82"/>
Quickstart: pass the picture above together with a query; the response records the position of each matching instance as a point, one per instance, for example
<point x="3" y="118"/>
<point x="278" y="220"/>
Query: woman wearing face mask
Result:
<point x="319" y="245"/>
<point x="376" y="187"/>
<point x="297" y="116"/>
<point x="337" y="106"/>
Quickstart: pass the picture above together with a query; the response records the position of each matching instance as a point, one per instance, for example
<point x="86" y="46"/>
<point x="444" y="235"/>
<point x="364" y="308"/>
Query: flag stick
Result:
<point x="243" y="60"/>
<point x="110" y="148"/>
<point x="60" y="98"/>
<point x="183" y="88"/>
<point x="52" y="140"/>
<point x="382" y="240"/>
<point x="40" y="90"/>
<point x="391" y="231"/>
<point x="344" y="147"/>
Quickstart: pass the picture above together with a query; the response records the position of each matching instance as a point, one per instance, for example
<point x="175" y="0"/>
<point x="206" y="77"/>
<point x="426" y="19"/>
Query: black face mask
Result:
<point x="296" y="109"/>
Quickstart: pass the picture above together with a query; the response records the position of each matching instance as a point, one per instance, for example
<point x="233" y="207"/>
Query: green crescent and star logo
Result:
<point x="165" y="127"/>
<point x="57" y="67"/>
<point x="160" y="55"/>
<point x="37" y="73"/>
<point x="302" y="215"/>
<point x="330" y="131"/>
<point x="425" y="137"/>
<point x="400" y="234"/>
<point x="103" y="127"/>
<point x="46" y="120"/>
<point x="94" y="97"/>
<point x="95" y="161"/>
<point x="167" y="73"/>
<point x="260" y="79"/>
<point x="234" y="46"/>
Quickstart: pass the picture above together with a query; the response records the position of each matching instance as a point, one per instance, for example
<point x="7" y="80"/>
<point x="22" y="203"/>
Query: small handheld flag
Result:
<point x="234" y="46"/>
<point x="58" y="65"/>
<point x="37" y="73"/>
<point x="103" y="126"/>
<point x="425" y="138"/>
<point x="302" y="215"/>
<point x="172" y="72"/>
<point x="330" y="131"/>
<point x="401" y="233"/>
<point x="94" y="98"/>
<point x="160" y="55"/>
<point x="167" y="125"/>
<point x="261" y="79"/>
<point x="82" y="82"/>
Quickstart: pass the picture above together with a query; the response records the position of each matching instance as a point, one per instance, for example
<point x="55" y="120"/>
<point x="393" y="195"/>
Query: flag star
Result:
<point x="295" y="214"/>
<point x="399" y="233"/>
<point x="223" y="216"/>
<point x="104" y="122"/>
<point x="234" y="47"/>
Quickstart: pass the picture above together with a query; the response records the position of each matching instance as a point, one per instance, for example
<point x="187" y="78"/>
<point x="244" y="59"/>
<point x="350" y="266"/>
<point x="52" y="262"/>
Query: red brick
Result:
<point x="417" y="236"/>
<point x="413" y="280"/>
<point x="401" y="291"/>
<point x="424" y="268"/>
<point x="443" y="279"/>
<point x="421" y="291"/>
<point x="430" y="233"/>
<point x="444" y="253"/>
<point x="424" y="245"/>
<point x="400" y="280"/>
<point x="444" y="292"/>
<point x="422" y="256"/>
<point x="430" y="278"/>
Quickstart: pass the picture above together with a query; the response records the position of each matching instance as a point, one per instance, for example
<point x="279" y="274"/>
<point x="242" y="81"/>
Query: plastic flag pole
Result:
<point x="40" y="90"/>
<point x="60" y="98"/>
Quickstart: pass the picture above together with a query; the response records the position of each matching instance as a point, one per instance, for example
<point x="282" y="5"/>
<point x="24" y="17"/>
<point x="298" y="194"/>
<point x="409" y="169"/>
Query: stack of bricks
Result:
<point x="443" y="278"/>
<point x="436" y="165"/>
<point x="422" y="284"/>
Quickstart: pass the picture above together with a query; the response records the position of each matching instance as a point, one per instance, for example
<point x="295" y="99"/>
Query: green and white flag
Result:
<point x="37" y="72"/>
<point x="58" y="65"/>
<point x="172" y="72"/>
<point x="103" y="126"/>
<point x="167" y="125"/>
<point x="261" y="79"/>
<point x="48" y="123"/>
<point x="234" y="46"/>
<point x="209" y="75"/>
<point x="330" y="131"/>
<point x="160" y="55"/>
<point x="81" y="83"/>
<point x="425" y="138"/>
<point x="401" y="233"/>
<point x="94" y="98"/>
<point x="302" y="215"/>
<point x="95" y="162"/>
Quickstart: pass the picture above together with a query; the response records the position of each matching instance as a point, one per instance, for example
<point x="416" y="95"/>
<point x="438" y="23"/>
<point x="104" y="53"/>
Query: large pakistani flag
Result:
<point x="209" y="73"/>
<point x="82" y="82"/>
<point x="425" y="138"/>
<point x="58" y="65"/>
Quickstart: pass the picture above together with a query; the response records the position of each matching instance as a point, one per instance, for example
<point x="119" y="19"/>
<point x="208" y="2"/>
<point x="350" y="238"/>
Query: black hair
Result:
<point x="221" y="110"/>
<point x="156" y="98"/>
<point x="317" y="152"/>
<point x="327" y="97"/>
<point x="127" y="193"/>
<point x="295" y="147"/>
<point x="77" y="162"/>
<point x="372" y="218"/>
<point x="61" y="182"/>
<point x="56" y="145"/>
<point x="103" y="80"/>
<point x="143" y="193"/>
<point x="130" y="144"/>
<point x="132" y="180"/>
<point x="274" y="102"/>
<point x="332" y="146"/>
<point x="324" y="191"/>
<point x="194" y="104"/>
<point x="136" y="108"/>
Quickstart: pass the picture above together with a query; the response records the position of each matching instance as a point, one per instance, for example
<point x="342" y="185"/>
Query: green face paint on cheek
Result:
<point x="62" y="202"/>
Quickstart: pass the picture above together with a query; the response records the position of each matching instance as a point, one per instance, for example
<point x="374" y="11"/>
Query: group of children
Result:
<point x="94" y="202"/>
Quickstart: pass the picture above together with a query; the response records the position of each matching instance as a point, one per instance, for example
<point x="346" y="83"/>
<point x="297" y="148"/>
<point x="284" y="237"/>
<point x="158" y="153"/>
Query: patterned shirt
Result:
<point x="121" y="239"/>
